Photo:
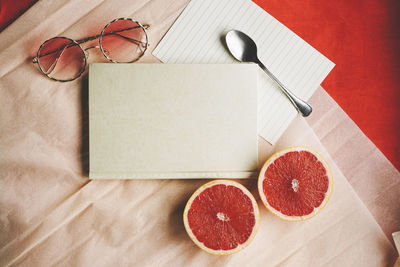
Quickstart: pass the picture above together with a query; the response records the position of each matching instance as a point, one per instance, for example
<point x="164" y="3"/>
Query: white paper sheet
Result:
<point x="197" y="35"/>
<point x="172" y="121"/>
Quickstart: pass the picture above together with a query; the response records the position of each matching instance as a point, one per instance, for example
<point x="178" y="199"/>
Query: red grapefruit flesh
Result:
<point x="295" y="184"/>
<point x="221" y="217"/>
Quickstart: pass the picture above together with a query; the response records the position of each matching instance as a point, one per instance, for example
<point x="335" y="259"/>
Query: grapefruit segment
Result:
<point x="295" y="184"/>
<point x="221" y="217"/>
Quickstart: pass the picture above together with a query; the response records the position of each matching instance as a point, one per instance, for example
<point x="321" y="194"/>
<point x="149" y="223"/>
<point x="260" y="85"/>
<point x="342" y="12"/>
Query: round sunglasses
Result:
<point x="123" y="40"/>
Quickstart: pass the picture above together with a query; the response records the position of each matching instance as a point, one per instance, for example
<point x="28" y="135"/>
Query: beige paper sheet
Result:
<point x="375" y="180"/>
<point x="51" y="214"/>
<point x="139" y="223"/>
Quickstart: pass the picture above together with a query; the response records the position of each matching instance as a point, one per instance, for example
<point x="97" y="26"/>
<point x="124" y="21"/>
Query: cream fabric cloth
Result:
<point x="51" y="214"/>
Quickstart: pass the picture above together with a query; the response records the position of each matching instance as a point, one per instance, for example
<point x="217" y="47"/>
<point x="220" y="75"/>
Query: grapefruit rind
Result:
<point x="200" y="244"/>
<point x="277" y="212"/>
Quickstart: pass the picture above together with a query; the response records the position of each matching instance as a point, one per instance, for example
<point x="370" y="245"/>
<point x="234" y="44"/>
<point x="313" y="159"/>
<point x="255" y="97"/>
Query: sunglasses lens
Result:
<point x="61" y="59"/>
<point x="123" y="41"/>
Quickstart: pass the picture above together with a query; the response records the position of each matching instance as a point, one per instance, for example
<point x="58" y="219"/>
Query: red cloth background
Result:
<point x="12" y="9"/>
<point x="361" y="37"/>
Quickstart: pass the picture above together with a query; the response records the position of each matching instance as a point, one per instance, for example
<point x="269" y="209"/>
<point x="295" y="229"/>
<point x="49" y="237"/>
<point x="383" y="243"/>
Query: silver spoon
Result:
<point x="244" y="49"/>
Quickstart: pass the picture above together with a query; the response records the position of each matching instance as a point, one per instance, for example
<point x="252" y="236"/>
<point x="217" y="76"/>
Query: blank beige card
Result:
<point x="172" y="121"/>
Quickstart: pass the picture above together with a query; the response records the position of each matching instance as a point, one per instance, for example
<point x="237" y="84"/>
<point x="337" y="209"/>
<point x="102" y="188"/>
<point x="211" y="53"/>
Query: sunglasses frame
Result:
<point x="81" y="41"/>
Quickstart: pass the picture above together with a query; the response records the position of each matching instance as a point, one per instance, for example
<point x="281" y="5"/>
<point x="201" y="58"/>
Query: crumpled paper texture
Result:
<point x="375" y="180"/>
<point x="51" y="214"/>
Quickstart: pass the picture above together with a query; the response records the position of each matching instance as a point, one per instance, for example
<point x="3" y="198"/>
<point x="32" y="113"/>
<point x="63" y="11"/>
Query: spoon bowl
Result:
<point x="241" y="46"/>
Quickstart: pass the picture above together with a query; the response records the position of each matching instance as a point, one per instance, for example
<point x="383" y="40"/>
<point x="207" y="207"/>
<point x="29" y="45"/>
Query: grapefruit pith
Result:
<point x="295" y="184"/>
<point x="221" y="217"/>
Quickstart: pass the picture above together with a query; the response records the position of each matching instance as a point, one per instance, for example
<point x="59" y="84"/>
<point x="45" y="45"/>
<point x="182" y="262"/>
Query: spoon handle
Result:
<point x="304" y="108"/>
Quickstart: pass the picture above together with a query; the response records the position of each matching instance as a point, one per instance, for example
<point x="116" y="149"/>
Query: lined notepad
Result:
<point x="197" y="37"/>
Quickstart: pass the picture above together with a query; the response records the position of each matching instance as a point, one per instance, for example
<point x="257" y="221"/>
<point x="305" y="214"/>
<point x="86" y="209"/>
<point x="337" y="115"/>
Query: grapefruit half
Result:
<point x="221" y="217"/>
<point x="295" y="184"/>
